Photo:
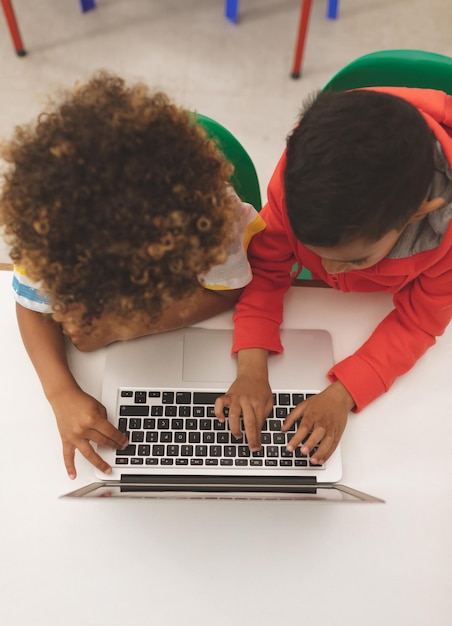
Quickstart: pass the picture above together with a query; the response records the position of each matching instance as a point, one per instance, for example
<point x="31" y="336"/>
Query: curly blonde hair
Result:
<point x="116" y="200"/>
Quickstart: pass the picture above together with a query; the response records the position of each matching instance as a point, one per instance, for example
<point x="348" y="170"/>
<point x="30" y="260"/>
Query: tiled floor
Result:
<point x="239" y="75"/>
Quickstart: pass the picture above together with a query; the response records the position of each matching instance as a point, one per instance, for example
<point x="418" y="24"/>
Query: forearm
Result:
<point x="202" y="305"/>
<point x="253" y="362"/>
<point x="45" y="345"/>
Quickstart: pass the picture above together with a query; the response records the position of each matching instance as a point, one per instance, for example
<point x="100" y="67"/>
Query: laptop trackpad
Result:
<point x="207" y="357"/>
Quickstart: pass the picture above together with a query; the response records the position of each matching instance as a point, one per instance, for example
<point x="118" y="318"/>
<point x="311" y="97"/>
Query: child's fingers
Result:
<point x="106" y="434"/>
<point x="234" y="414"/>
<point x="326" y="448"/>
<point x="293" y="416"/>
<point x="69" y="460"/>
<point x="91" y="455"/>
<point x="220" y="405"/>
<point x="252" y="423"/>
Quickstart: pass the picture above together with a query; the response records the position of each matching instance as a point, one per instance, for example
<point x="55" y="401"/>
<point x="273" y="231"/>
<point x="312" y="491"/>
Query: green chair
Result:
<point x="396" y="68"/>
<point x="244" y="179"/>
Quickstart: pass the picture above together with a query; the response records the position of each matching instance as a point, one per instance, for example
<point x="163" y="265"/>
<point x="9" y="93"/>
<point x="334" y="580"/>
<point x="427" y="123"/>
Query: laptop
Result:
<point x="160" y="390"/>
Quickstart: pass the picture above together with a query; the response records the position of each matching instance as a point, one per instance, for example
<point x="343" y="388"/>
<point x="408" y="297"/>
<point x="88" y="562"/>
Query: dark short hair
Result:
<point x="359" y="164"/>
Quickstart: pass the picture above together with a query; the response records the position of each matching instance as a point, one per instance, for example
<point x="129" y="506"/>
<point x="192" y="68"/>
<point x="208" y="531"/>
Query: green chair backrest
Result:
<point x="396" y="68"/>
<point x="244" y="179"/>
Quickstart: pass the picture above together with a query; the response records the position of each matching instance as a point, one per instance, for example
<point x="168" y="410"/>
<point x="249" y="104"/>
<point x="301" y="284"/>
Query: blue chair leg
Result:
<point x="333" y="9"/>
<point x="231" y="10"/>
<point x="87" y="5"/>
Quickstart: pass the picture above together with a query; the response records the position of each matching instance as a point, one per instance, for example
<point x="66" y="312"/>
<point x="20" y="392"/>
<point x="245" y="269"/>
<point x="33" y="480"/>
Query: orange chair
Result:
<point x="13" y="27"/>
<point x="305" y="11"/>
<point x="86" y="5"/>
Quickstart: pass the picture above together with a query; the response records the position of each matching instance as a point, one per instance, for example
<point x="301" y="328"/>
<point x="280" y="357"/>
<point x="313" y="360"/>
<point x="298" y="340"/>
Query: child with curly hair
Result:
<point x="120" y="224"/>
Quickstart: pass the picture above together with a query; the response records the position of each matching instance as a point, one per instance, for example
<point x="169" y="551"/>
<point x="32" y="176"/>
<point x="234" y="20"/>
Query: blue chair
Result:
<point x="87" y="5"/>
<point x="231" y="11"/>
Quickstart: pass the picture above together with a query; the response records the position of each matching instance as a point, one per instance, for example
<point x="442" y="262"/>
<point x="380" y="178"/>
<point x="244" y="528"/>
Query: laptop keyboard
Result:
<point x="179" y="428"/>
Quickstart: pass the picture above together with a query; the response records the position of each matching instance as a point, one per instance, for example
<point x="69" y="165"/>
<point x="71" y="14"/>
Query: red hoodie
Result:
<point x="421" y="283"/>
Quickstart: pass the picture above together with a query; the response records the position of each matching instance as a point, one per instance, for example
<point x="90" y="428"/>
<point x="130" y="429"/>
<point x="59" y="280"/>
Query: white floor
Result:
<point x="238" y="74"/>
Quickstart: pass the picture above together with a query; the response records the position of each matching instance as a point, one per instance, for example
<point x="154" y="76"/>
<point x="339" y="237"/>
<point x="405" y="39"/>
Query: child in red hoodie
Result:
<point x="362" y="197"/>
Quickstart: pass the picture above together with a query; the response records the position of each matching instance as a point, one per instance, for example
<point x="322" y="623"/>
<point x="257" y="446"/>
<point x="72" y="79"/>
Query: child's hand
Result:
<point x="251" y="399"/>
<point x="82" y="419"/>
<point x="324" y="416"/>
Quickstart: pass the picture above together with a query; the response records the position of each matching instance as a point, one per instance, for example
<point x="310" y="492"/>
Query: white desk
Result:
<point x="81" y="562"/>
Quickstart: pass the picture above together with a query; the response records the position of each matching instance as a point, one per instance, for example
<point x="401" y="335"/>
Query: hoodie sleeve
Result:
<point x="259" y="311"/>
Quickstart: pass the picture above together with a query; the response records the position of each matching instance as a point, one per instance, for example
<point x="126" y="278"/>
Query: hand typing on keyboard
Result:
<point x="323" y="420"/>
<point x="82" y="419"/>
<point x="249" y="396"/>
<point x="323" y="416"/>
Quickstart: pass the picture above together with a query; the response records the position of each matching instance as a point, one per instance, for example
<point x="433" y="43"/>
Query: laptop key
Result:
<point x="256" y="462"/>
<point x="168" y="397"/>
<point x="208" y="437"/>
<point x="286" y="463"/>
<point x="183" y="397"/>
<point x="134" y="410"/>
<point x="129" y="451"/>
<point x="140" y="397"/>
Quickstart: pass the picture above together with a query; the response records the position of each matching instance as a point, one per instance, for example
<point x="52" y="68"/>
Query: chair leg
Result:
<point x="87" y="5"/>
<point x="13" y="27"/>
<point x="333" y="9"/>
<point x="231" y="10"/>
<point x="305" y="11"/>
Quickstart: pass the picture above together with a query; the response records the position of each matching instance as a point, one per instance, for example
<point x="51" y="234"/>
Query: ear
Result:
<point x="427" y="206"/>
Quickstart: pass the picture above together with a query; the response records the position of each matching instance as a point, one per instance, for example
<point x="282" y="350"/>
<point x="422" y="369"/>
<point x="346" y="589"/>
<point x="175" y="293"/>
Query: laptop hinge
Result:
<point x="198" y="483"/>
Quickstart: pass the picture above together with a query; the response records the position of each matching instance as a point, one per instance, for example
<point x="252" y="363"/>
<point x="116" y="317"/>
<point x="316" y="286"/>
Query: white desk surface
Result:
<point x="98" y="562"/>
